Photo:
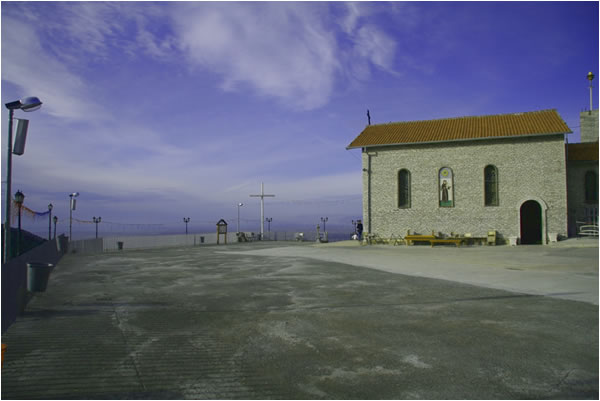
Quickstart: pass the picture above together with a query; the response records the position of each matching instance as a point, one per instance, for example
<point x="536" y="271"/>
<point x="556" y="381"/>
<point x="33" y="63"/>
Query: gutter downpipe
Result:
<point x="368" y="171"/>
<point x="369" y="192"/>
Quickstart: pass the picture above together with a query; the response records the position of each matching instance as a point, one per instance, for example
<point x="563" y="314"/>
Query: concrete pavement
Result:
<point x="567" y="269"/>
<point x="263" y="320"/>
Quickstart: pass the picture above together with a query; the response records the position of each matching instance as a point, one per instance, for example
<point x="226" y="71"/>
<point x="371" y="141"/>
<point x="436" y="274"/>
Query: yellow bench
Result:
<point x="456" y="241"/>
<point x="410" y="239"/>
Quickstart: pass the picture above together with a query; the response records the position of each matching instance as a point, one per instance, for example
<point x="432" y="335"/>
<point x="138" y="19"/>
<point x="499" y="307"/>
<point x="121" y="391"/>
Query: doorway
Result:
<point x="531" y="222"/>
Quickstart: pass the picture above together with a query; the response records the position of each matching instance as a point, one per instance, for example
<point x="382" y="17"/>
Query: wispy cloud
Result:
<point x="287" y="51"/>
<point x="26" y="65"/>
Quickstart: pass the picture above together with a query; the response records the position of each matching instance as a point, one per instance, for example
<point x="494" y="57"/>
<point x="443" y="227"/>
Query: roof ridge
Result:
<point x="463" y="117"/>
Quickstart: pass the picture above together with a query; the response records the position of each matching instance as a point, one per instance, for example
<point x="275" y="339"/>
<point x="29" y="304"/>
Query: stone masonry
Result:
<point x="529" y="168"/>
<point x="589" y="125"/>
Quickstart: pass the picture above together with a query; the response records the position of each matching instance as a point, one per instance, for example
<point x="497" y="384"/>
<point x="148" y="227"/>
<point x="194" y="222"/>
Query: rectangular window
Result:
<point x="403" y="189"/>
<point x="491" y="186"/>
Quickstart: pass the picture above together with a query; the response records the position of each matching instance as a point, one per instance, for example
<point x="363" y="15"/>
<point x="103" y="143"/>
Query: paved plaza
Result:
<point x="306" y="321"/>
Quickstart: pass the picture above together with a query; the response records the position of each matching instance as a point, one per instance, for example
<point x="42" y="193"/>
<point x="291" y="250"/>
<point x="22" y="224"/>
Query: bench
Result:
<point x="456" y="241"/>
<point x="410" y="239"/>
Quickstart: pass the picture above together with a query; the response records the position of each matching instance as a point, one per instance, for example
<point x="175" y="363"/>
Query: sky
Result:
<point x="156" y="111"/>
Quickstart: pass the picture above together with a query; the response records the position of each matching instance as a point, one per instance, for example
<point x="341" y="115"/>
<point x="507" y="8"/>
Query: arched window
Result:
<point x="490" y="176"/>
<point x="404" y="188"/>
<point x="446" y="187"/>
<point x="591" y="187"/>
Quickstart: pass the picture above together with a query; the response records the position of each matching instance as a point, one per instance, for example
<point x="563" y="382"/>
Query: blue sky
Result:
<point x="159" y="111"/>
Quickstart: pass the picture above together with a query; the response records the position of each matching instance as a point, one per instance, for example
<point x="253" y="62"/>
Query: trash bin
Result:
<point x="38" y="275"/>
<point x="120" y="245"/>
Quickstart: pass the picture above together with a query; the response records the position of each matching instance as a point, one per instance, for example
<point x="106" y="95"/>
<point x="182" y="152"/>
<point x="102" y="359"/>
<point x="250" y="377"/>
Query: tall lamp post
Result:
<point x="239" y="205"/>
<point x="97" y="220"/>
<point x="27" y="104"/>
<point x="71" y="208"/>
<point x="186" y="220"/>
<point x="269" y="220"/>
<point x="19" y="198"/>
<point x="55" y="221"/>
<point x="50" y="221"/>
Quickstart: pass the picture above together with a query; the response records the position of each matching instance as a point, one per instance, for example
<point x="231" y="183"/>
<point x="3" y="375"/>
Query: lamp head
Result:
<point x="19" y="197"/>
<point x="55" y="218"/>
<point x="590" y="76"/>
<point x="240" y="204"/>
<point x="50" y="206"/>
<point x="74" y="194"/>
<point x="31" y="104"/>
<point x="26" y="104"/>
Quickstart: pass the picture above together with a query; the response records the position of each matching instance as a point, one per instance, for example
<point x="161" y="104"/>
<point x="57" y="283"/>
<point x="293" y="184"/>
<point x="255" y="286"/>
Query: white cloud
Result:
<point x="280" y="50"/>
<point x="287" y="51"/>
<point x="26" y="65"/>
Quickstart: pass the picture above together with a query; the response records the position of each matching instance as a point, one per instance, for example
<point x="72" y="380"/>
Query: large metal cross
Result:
<point x="262" y="208"/>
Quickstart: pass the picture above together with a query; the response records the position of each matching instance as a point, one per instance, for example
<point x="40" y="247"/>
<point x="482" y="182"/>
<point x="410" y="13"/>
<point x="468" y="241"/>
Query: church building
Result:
<point x="506" y="173"/>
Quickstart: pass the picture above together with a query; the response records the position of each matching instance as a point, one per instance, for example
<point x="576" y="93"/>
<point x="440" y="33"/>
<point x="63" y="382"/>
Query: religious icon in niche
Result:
<point x="446" y="188"/>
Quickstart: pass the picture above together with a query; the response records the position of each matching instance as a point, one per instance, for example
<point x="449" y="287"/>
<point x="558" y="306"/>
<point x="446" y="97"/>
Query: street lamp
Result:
<point x="269" y="220"/>
<point x="186" y="220"/>
<point x="27" y="104"/>
<point x="50" y="221"/>
<point x="97" y="220"/>
<point x="238" y="226"/>
<point x="324" y="220"/>
<point x="71" y="208"/>
<point x="55" y="221"/>
<point x="19" y="198"/>
<point x="354" y="222"/>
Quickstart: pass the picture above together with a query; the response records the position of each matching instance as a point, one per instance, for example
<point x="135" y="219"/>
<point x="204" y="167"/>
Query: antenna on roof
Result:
<point x="590" y="76"/>
<point x="369" y="114"/>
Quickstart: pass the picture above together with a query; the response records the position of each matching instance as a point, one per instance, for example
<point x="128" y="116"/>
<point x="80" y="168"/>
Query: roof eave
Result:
<point x="458" y="140"/>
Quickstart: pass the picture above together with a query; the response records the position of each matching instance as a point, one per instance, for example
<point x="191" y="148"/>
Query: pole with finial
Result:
<point x="590" y="76"/>
<point x="369" y="115"/>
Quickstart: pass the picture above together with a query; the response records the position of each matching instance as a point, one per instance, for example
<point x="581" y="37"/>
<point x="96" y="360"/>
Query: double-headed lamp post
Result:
<point x="238" y="226"/>
<point x="50" y="221"/>
<point x="71" y="208"/>
<point x="186" y="220"/>
<point x="26" y="104"/>
<point x="97" y="220"/>
<point x="324" y="221"/>
<point x="19" y="198"/>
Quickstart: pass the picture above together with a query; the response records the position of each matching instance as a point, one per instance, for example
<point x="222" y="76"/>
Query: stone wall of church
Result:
<point x="589" y="125"/>
<point x="528" y="168"/>
<point x="579" y="209"/>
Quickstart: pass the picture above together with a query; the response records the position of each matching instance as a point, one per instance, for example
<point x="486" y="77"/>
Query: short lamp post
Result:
<point x="324" y="221"/>
<point x="97" y="220"/>
<point x="238" y="226"/>
<point x="71" y="208"/>
<point x="55" y="219"/>
<point x="19" y="198"/>
<point x="50" y="221"/>
<point x="269" y="220"/>
<point x="186" y="220"/>
<point x="27" y="104"/>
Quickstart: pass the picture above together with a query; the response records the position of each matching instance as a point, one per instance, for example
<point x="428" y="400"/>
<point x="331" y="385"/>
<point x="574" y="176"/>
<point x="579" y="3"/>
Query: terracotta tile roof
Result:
<point x="542" y="122"/>
<point x="582" y="151"/>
